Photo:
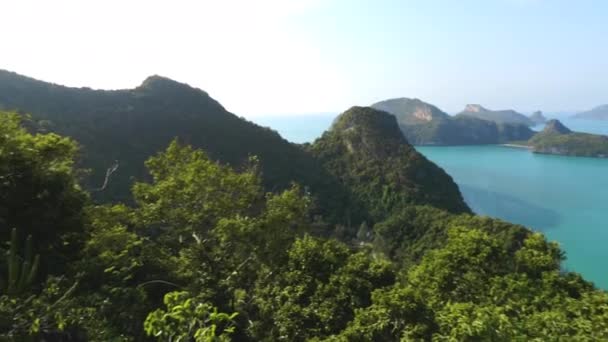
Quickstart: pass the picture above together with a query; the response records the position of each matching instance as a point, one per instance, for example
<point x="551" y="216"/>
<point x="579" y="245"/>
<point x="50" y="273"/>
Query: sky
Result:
<point x="284" y="57"/>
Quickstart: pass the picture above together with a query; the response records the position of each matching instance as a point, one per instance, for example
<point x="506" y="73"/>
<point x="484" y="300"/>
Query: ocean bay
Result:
<point x="566" y="198"/>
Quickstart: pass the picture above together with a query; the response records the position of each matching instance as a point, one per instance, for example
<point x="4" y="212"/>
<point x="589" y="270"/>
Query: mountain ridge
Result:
<point x="365" y="143"/>
<point x="507" y="116"/>
<point x="125" y="127"/>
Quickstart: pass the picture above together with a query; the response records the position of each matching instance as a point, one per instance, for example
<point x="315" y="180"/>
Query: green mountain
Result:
<point x="205" y="252"/>
<point x="558" y="139"/>
<point x="122" y="128"/>
<point x="425" y="124"/>
<point x="597" y="113"/>
<point x="538" y="118"/>
<point x="365" y="149"/>
<point x="128" y="126"/>
<point x="498" y="116"/>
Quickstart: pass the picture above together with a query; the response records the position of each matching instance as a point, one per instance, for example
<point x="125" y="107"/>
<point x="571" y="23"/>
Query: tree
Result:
<point x="22" y="270"/>
<point x="190" y="193"/>
<point x="39" y="192"/>
<point x="186" y="318"/>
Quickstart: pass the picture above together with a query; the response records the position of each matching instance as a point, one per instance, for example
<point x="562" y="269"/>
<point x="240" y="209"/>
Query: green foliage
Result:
<point x="21" y="270"/>
<point x="28" y="318"/>
<point x="186" y="319"/>
<point x="396" y="313"/>
<point x="190" y="193"/>
<point x="409" y="234"/>
<point x="129" y="126"/>
<point x="464" y="130"/>
<point x="473" y="289"/>
<point x="368" y="153"/>
<point x="317" y="291"/>
<point x="39" y="194"/>
<point x="205" y="254"/>
<point x="571" y="144"/>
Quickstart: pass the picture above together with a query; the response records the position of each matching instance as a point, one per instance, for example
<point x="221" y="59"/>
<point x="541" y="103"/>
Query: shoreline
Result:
<point x="517" y="146"/>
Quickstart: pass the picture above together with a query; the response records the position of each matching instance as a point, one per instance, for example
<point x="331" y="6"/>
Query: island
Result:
<point x="425" y="124"/>
<point x="597" y="113"/>
<point x="507" y="116"/>
<point x="558" y="139"/>
<point x="538" y="118"/>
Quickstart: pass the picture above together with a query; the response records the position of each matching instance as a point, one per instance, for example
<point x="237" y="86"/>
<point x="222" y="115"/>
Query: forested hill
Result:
<point x="374" y="244"/>
<point x="125" y="127"/>
<point x="556" y="138"/>
<point x="129" y="126"/>
<point x="367" y="151"/>
<point x="205" y="254"/>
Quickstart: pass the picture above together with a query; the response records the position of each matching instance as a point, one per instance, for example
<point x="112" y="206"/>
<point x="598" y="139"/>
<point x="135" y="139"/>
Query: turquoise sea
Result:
<point x="566" y="198"/>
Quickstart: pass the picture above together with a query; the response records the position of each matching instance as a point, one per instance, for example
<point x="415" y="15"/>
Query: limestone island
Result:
<point x="558" y="139"/>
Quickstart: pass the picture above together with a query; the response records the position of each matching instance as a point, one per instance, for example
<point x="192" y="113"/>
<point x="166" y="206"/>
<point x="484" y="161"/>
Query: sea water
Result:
<point x="566" y="198"/>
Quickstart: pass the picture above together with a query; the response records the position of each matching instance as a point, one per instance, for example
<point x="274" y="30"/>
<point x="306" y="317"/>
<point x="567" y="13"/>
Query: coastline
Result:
<point x="517" y="146"/>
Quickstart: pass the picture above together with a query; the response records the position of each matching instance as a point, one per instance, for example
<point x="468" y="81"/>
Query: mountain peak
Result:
<point x="157" y="82"/>
<point x="369" y="123"/>
<point x="366" y="143"/>
<point x="160" y="87"/>
<point x="538" y="117"/>
<point x="475" y="108"/>
<point x="555" y="126"/>
<point x="410" y="111"/>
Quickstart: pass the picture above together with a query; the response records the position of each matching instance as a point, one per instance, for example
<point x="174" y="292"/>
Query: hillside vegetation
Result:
<point x="558" y="139"/>
<point x="208" y="251"/>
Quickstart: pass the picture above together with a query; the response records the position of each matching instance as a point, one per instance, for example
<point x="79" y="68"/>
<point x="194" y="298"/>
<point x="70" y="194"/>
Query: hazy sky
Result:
<point x="296" y="56"/>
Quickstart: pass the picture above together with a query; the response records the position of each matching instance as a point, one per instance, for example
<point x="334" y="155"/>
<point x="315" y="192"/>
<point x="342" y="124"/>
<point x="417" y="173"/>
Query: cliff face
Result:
<point x="366" y="150"/>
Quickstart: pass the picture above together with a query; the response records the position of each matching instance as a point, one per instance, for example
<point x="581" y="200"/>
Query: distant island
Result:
<point x="425" y="124"/>
<point x="538" y="118"/>
<point x="558" y="139"/>
<point x="597" y="113"/>
<point x="499" y="116"/>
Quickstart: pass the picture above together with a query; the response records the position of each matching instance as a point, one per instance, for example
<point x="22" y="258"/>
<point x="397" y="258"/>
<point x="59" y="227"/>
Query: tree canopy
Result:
<point x="205" y="252"/>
